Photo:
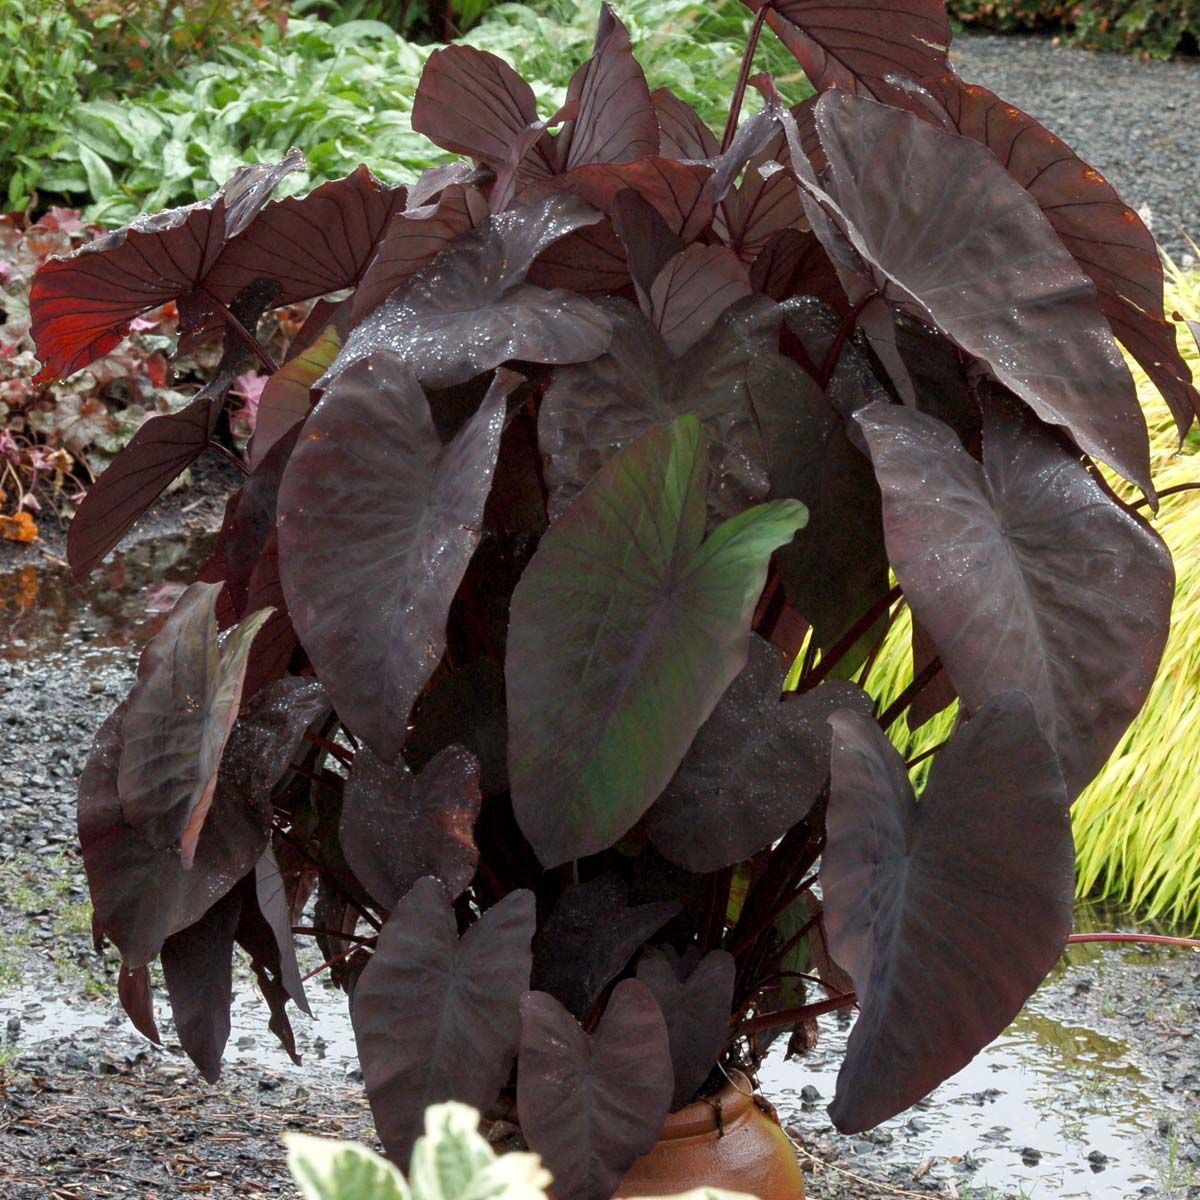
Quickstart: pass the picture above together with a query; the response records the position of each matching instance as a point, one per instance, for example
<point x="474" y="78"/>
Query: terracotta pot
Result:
<point x="749" y="1153"/>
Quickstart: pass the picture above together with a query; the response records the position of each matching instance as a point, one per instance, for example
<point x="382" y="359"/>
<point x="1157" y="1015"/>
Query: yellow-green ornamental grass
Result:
<point x="1137" y="827"/>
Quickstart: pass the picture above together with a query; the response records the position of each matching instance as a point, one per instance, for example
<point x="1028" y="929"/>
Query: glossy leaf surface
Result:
<point x="591" y="1105"/>
<point x="855" y="45"/>
<point x="947" y="913"/>
<point x="755" y="769"/>
<point x="971" y="250"/>
<point x="141" y="893"/>
<point x="377" y="522"/>
<point x="1024" y="574"/>
<point x="626" y="628"/>
<point x="471" y="309"/>
<point x="592" y="411"/>
<point x="693" y="290"/>
<point x="436" y="1018"/>
<point x="180" y="714"/>
<point x="397" y="828"/>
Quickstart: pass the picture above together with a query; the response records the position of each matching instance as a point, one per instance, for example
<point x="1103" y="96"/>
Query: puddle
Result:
<point x="46" y="612"/>
<point x="325" y="1042"/>
<point x="1051" y="1109"/>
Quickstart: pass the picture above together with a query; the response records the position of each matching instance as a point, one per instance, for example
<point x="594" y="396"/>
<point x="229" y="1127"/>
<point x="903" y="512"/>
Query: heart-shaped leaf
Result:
<point x="197" y="964"/>
<point x="756" y="767"/>
<point x="1024" y="574"/>
<point x="180" y="714"/>
<point x="81" y="306"/>
<point x="696" y="1006"/>
<point x="1108" y="240"/>
<point x="397" y="827"/>
<point x="593" y="411"/>
<point x="984" y="265"/>
<point x="435" y="1018"/>
<point x="589" y="938"/>
<point x="471" y="310"/>
<point x="141" y="893"/>
<point x="947" y="913"/>
<point x="856" y="45"/>
<point x="377" y="522"/>
<point x="624" y="605"/>
<point x="592" y="1105"/>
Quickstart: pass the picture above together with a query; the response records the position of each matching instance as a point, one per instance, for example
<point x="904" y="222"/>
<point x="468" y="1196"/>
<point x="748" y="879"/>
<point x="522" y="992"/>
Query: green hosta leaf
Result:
<point x="325" y="1169"/>
<point x="626" y="628"/>
<point x="453" y="1162"/>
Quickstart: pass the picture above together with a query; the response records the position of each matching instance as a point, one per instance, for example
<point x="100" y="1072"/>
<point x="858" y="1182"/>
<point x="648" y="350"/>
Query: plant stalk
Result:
<point x="739" y="90"/>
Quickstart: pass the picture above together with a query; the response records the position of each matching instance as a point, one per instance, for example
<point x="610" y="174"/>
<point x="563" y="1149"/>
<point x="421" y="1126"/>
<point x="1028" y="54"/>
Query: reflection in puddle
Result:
<point x="45" y="611"/>
<point x="1050" y="1109"/>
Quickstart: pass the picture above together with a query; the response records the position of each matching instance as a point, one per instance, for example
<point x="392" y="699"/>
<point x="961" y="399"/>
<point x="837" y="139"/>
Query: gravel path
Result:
<point x="1137" y="123"/>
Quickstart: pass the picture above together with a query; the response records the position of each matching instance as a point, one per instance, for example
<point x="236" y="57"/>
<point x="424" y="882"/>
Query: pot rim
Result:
<point x="699" y="1117"/>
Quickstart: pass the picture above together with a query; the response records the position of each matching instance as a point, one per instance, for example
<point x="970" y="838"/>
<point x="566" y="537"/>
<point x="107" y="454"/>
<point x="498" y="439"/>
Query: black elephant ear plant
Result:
<point x="587" y="441"/>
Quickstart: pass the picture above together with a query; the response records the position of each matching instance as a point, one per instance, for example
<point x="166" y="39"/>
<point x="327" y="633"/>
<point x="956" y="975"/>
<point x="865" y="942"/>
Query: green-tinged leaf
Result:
<point x="626" y="628"/>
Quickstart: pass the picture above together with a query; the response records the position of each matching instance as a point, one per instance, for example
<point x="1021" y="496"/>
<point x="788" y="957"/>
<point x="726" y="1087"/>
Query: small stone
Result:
<point x="1097" y="1158"/>
<point x="1031" y="1157"/>
<point x="75" y="1061"/>
<point x="809" y="1094"/>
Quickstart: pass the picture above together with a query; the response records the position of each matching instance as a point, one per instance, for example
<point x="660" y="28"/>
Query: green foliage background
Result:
<point x="1152" y="27"/>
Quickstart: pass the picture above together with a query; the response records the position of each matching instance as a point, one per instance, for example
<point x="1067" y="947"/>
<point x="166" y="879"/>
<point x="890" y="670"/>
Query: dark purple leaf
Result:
<point x="271" y="892"/>
<point x="475" y="104"/>
<point x="1107" y="238"/>
<point x="755" y="769"/>
<point x="648" y="240"/>
<point x="855" y="45"/>
<point x="310" y="245"/>
<point x="695" y="1004"/>
<point x="133" y="990"/>
<point x="274" y="964"/>
<point x="377" y="522"/>
<point x="837" y="567"/>
<point x="162" y="449"/>
<point x="604" y="626"/>
<point x="397" y="828"/>
<point x="197" y="965"/>
<point x="939" y="692"/>
<point x="590" y="937"/>
<point x="471" y="309"/>
<point x="617" y="121"/>
<point x="592" y="1105"/>
<point x="679" y="192"/>
<point x="81" y="306"/>
<point x="467" y="707"/>
<point x="436" y="1018"/>
<point x="141" y="893"/>
<point x="693" y="290"/>
<point x="590" y="261"/>
<point x="1024" y="574"/>
<point x="947" y="913"/>
<point x="272" y="649"/>
<point x="681" y="133"/>
<point x="179" y="716"/>
<point x="949" y="236"/>
<point x="414" y="239"/>
<point x="593" y="411"/>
